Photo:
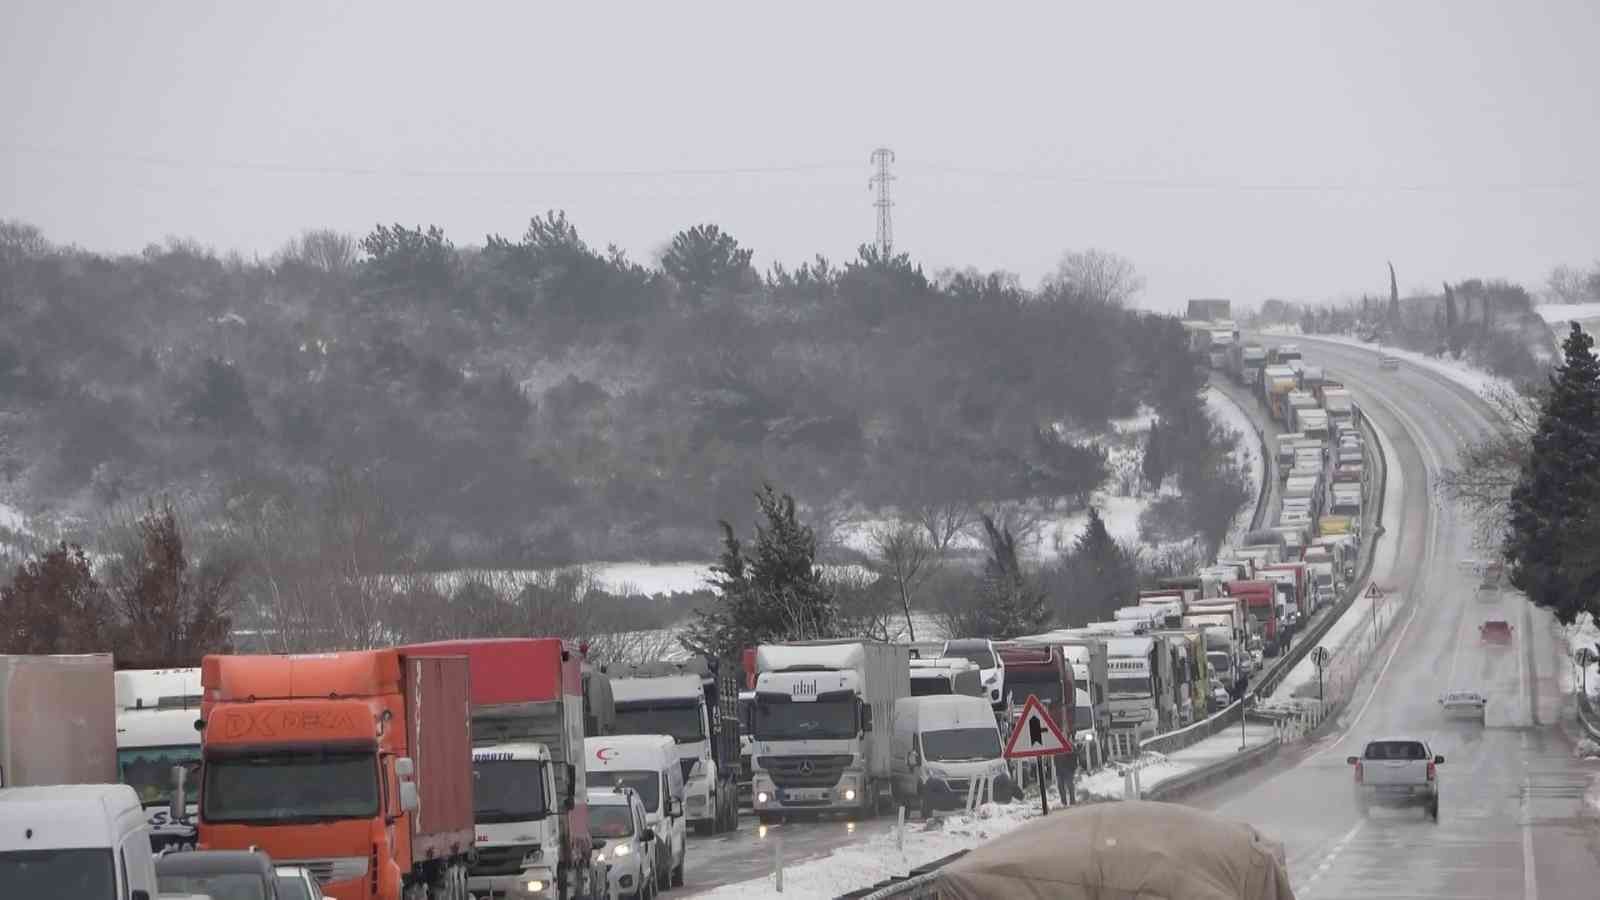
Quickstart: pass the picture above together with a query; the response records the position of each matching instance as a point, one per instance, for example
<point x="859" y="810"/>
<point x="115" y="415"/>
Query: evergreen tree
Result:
<point x="1549" y="541"/>
<point x="772" y="591"/>
<point x="1154" y="465"/>
<point x="1394" y="300"/>
<point x="1096" y="577"/>
<point x="1008" y="603"/>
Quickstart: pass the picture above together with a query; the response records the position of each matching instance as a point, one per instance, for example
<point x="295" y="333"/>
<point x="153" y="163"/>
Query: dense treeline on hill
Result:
<point x="1492" y="323"/>
<point x="538" y="400"/>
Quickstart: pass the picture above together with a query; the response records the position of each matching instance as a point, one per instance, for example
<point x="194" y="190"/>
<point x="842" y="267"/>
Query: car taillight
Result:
<point x="1433" y="771"/>
<point x="1358" y="773"/>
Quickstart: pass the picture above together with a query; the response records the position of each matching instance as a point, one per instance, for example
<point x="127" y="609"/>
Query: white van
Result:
<point x="647" y="763"/>
<point x="77" y="840"/>
<point x="941" y="743"/>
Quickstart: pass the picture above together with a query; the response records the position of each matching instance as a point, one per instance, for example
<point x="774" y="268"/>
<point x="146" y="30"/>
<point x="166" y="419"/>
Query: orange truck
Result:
<point x="356" y="765"/>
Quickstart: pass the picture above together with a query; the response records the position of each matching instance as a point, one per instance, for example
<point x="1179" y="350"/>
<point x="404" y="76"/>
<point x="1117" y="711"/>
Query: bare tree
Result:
<point x="907" y="559"/>
<point x="1095" y="276"/>
<point x="944" y="522"/>
<point x="1489" y="467"/>
<point x="1022" y="519"/>
<point x="866" y="604"/>
<point x="323" y="249"/>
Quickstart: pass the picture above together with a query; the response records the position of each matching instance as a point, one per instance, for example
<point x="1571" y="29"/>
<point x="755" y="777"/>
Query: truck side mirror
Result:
<point x="675" y="808"/>
<point x="408" y="796"/>
<point x="569" y="800"/>
<point x="1438" y="760"/>
<point x="866" y="719"/>
<point x="178" y="805"/>
<point x="404" y="767"/>
<point x="913" y="760"/>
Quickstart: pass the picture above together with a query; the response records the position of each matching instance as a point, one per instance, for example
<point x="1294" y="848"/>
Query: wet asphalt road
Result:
<point x="1517" y="818"/>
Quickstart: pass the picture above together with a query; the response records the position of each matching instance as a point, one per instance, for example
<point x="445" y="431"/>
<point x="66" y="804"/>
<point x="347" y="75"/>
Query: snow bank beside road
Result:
<point x="1562" y="313"/>
<point x="1227" y="413"/>
<point x="878" y="858"/>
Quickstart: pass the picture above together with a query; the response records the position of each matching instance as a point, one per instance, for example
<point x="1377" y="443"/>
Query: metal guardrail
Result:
<point x="1193" y="734"/>
<point x="1171" y="789"/>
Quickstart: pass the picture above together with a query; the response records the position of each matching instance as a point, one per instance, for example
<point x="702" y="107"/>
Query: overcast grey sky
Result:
<point x="1229" y="149"/>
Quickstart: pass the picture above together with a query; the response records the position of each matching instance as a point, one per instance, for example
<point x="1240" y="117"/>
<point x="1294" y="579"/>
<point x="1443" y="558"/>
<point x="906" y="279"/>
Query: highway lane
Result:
<point x="1514" y="821"/>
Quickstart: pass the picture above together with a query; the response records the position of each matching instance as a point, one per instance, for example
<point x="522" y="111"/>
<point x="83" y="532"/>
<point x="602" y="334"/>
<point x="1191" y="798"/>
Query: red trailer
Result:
<point x="1261" y="606"/>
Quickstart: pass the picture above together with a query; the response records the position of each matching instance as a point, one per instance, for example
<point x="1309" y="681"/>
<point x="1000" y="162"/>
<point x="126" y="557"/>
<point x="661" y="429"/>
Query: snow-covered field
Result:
<point x="12" y="519"/>
<point x="1562" y="313"/>
<point x="880" y="857"/>
<point x="1227" y="413"/>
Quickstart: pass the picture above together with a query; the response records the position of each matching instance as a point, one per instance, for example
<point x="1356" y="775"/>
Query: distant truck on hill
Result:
<point x="1209" y="310"/>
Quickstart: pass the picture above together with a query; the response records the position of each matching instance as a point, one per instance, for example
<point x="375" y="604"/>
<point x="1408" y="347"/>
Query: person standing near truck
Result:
<point x="1066" y="765"/>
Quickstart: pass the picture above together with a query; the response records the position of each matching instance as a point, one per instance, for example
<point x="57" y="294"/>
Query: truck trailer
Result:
<point x="356" y="765"/>
<point x="57" y="720"/>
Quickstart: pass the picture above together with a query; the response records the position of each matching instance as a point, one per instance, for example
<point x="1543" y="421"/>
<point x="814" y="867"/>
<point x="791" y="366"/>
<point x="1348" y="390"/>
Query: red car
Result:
<point x="1495" y="631"/>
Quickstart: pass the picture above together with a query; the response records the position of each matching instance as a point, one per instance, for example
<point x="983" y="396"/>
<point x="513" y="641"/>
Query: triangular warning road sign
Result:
<point x="1035" y="734"/>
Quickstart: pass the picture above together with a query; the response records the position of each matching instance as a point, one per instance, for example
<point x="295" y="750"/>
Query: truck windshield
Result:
<point x="148" y="770"/>
<point x="1022" y="682"/>
<point x="982" y="657"/>
<point x="682" y="722"/>
<point x="508" y="790"/>
<point x="1126" y="686"/>
<point x="646" y="784"/>
<point x="1221" y="663"/>
<point x="824" y="719"/>
<point x="58" y="873"/>
<point x="927" y="686"/>
<point x="961" y="743"/>
<point x="280" y="787"/>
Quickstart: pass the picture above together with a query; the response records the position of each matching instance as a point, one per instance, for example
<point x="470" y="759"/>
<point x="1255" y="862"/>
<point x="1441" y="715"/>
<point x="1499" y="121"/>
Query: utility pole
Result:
<point x="881" y="158"/>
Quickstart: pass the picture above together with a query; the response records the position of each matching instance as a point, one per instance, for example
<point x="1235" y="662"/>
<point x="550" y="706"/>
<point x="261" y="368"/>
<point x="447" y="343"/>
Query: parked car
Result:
<point x="622" y="842"/>
<point x="1470" y="704"/>
<point x="1495" y="631"/>
<point x="220" y="874"/>
<point x="297" y="883"/>
<point x="1397" y="772"/>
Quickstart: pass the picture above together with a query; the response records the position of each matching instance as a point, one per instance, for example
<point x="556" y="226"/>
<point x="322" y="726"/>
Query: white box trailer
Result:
<point x="58" y="720"/>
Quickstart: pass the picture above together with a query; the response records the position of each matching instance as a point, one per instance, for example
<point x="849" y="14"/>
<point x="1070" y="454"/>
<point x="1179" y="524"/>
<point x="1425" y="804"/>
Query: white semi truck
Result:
<point x="156" y="712"/>
<point x="696" y="703"/>
<point x="824" y="714"/>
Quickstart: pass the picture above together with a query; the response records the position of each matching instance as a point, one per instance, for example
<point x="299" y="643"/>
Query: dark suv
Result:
<point x="220" y="874"/>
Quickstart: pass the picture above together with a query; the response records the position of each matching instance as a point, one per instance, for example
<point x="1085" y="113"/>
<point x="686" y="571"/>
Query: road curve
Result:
<point x="1516" y="817"/>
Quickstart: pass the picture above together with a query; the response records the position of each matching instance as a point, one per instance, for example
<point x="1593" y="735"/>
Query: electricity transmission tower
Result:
<point x="881" y="158"/>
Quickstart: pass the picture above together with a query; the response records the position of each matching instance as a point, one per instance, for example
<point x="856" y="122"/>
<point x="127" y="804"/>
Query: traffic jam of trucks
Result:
<point x="519" y="768"/>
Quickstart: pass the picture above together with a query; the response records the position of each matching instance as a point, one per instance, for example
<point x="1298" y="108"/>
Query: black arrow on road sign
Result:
<point x="1035" y="731"/>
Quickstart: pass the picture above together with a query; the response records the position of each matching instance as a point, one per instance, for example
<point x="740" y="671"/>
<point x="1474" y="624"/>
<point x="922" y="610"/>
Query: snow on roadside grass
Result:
<point x="1582" y="634"/>
<point x="12" y="519"/>
<point x="852" y="868"/>
<point x="1227" y="413"/>
<point x="1108" y="783"/>
<point x="1562" y="313"/>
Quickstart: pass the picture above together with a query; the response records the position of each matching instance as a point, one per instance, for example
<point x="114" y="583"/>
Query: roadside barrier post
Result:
<point x="900" y="831"/>
<point x="777" y="861"/>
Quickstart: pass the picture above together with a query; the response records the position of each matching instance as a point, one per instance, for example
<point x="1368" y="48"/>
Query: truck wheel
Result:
<point x="732" y="801"/>
<point x="664" y="871"/>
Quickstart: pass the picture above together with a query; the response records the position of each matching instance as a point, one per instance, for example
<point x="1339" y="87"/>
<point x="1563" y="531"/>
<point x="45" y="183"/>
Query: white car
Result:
<point x="294" y="883"/>
<point x="622" y="842"/>
<point x="1397" y="772"/>
<point x="1465" y="704"/>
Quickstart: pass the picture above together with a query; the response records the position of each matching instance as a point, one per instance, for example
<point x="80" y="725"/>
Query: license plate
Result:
<point x="817" y="794"/>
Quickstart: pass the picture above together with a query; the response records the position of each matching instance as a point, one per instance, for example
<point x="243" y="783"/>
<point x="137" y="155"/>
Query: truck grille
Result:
<point x="805" y="771"/>
<point x="329" y="870"/>
<point x="502" y="860"/>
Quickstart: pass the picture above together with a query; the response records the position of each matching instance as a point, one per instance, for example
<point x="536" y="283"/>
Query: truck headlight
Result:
<point x="849" y="794"/>
<point x="535" y="886"/>
<point x="762" y="797"/>
<point x="622" y="850"/>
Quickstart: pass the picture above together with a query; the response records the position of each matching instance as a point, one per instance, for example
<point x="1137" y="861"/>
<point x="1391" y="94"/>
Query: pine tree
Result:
<point x="772" y="591"/>
<point x="1011" y="603"/>
<point x="1096" y="577"/>
<point x="1549" y="540"/>
<point x="1394" y="299"/>
<point x="1153" y="467"/>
